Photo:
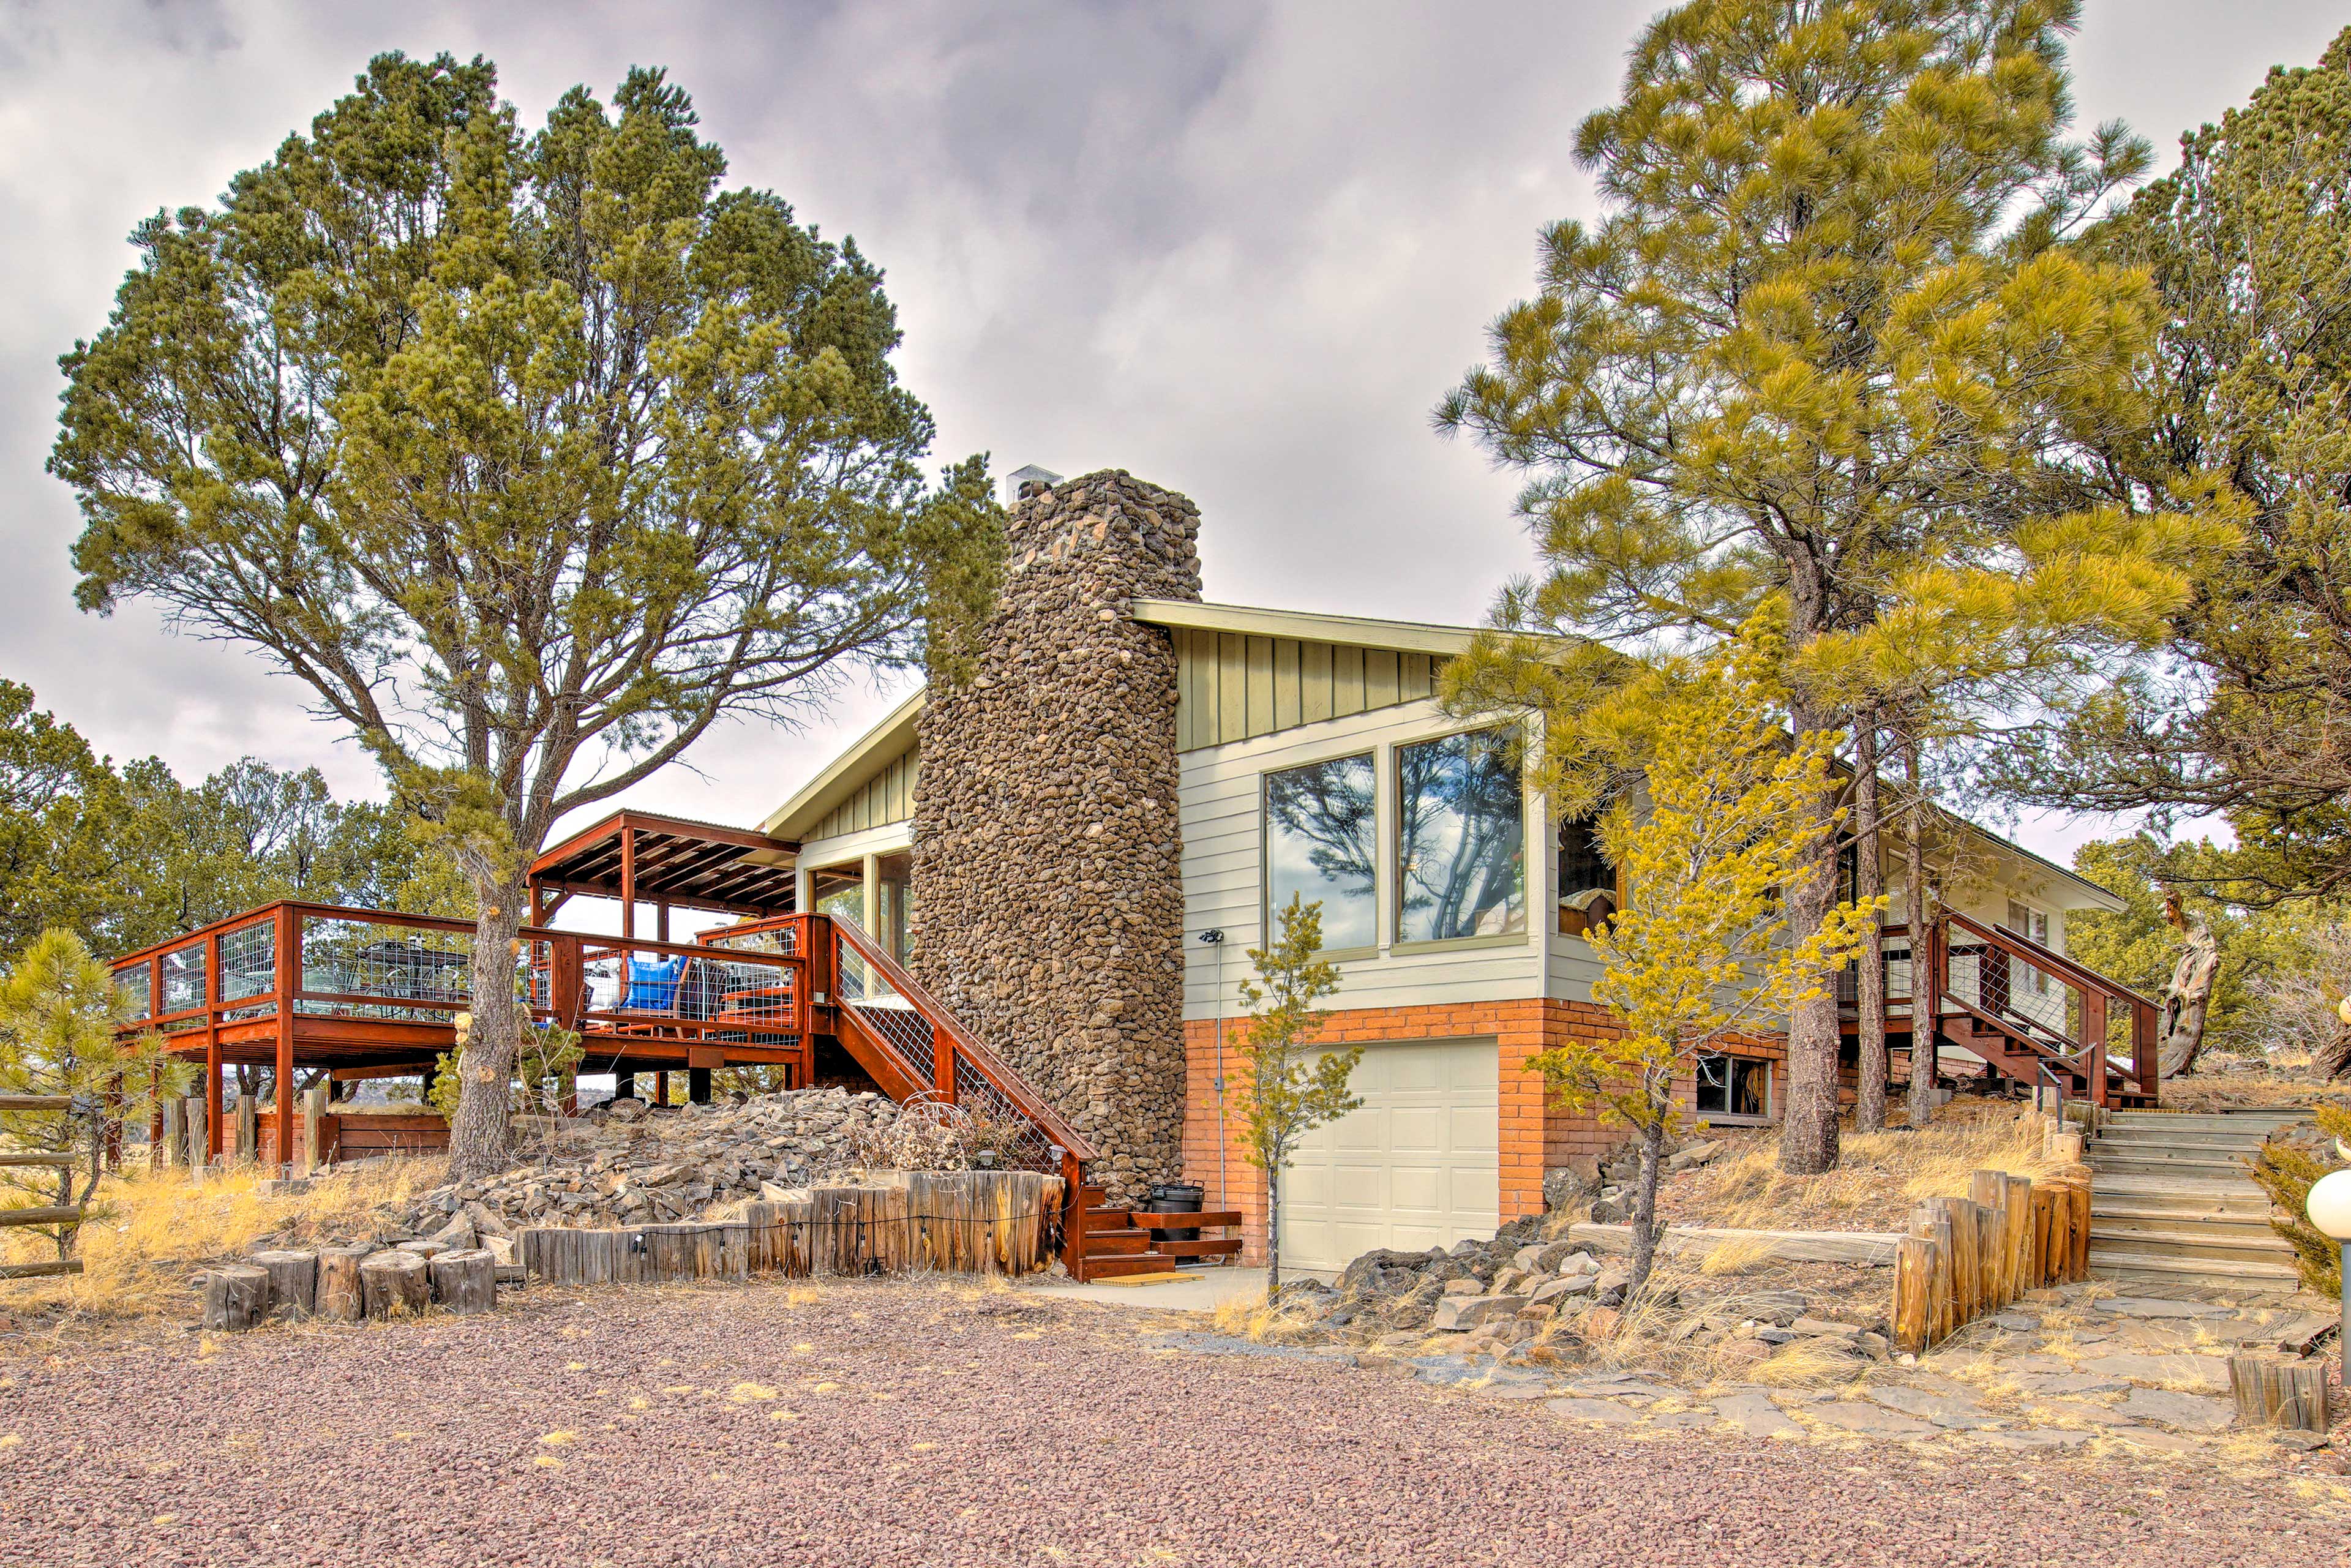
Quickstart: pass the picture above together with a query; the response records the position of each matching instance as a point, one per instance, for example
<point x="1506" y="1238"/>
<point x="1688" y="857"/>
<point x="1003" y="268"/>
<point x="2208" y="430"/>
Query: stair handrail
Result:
<point x="2041" y="957"/>
<point x="965" y="1045"/>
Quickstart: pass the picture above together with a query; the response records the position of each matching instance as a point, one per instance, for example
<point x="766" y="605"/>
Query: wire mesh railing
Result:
<point x="741" y="996"/>
<point x="383" y="970"/>
<point x="136" y="984"/>
<point x="248" y="962"/>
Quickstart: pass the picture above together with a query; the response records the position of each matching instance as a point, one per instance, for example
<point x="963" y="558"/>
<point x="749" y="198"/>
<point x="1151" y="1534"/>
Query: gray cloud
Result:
<point x="1237" y="249"/>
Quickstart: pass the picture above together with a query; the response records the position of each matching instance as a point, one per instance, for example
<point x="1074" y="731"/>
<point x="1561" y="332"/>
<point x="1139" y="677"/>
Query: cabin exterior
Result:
<point x="1291" y="754"/>
<point x="1030" y="892"/>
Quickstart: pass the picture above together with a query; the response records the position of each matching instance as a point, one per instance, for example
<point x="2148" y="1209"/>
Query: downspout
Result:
<point x="1216" y="939"/>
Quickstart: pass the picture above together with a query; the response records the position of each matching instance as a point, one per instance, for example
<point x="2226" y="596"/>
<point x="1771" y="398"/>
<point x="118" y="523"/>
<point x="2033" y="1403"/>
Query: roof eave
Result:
<point x="846" y="773"/>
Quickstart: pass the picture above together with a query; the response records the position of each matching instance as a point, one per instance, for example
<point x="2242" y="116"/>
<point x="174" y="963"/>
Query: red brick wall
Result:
<point x="1534" y="1136"/>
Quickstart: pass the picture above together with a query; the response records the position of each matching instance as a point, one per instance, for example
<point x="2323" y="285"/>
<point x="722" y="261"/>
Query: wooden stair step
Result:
<point x="1215" y="1217"/>
<point x="1207" y="1246"/>
<point x="1139" y="1263"/>
<point x="1111" y="1243"/>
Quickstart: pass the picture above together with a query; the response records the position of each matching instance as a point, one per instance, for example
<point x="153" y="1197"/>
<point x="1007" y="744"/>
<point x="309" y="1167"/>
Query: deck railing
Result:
<point x="383" y="967"/>
<point x="2074" y="1020"/>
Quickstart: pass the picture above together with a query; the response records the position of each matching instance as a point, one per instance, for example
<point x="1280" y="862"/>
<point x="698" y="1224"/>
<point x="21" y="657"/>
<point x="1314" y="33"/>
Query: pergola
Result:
<point x="636" y="857"/>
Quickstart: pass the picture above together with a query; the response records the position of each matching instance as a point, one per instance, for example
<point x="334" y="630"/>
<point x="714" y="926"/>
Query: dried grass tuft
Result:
<point x="1878" y="1177"/>
<point x="148" y="1229"/>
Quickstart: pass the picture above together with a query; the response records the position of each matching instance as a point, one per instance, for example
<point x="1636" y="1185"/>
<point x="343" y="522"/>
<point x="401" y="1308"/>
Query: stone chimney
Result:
<point x="1048" y="884"/>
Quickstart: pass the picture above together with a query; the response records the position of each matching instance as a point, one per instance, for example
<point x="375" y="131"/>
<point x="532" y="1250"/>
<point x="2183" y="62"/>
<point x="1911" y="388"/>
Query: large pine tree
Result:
<point x="1827" y="344"/>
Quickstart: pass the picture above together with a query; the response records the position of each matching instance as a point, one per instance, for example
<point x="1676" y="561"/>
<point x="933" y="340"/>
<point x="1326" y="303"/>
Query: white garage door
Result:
<point x="1417" y="1167"/>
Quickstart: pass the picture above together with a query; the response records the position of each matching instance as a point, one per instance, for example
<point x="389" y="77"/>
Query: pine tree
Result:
<point x="60" y="1016"/>
<point x="1825" y="346"/>
<point x="535" y="455"/>
<point x="2248" y="243"/>
<point x="1700" y="951"/>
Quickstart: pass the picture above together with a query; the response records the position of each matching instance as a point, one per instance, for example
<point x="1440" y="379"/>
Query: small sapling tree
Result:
<point x="1293" y="1087"/>
<point x="1701" y="950"/>
<point x="59" y="1009"/>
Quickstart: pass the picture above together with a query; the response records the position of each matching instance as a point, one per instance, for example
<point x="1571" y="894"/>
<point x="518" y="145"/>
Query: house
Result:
<point x="1074" y="849"/>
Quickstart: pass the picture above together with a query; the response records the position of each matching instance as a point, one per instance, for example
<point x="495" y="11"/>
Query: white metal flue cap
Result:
<point x="1016" y="482"/>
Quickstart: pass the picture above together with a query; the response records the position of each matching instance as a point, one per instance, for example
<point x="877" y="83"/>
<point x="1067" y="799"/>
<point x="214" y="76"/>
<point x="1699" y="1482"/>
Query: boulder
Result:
<point x="1456" y="1314"/>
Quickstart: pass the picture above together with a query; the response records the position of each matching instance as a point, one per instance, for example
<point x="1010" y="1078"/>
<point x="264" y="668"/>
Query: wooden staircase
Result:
<point x="2172" y="1206"/>
<point x="2031" y="1015"/>
<point x="1107" y="1243"/>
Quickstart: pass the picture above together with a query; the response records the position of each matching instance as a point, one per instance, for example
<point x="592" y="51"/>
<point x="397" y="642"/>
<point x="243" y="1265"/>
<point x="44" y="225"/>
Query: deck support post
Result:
<point x="698" y="1085"/>
<point x="628" y="896"/>
<point x="290" y="963"/>
<point x="624" y="1086"/>
<point x="213" y="1120"/>
<point x="661" y="1088"/>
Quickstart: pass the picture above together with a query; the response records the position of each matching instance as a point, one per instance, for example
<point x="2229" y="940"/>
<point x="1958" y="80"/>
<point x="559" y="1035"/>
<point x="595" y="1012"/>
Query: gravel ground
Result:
<point x="916" y="1423"/>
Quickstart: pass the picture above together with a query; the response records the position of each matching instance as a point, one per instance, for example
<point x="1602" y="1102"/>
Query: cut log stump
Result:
<point x="465" y="1282"/>
<point x="293" y="1280"/>
<point x="2289" y="1393"/>
<point x="339" y="1296"/>
<point x="236" y="1296"/>
<point x="394" y="1284"/>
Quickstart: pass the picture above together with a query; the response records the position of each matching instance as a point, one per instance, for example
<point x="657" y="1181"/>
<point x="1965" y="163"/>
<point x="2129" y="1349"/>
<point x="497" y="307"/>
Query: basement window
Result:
<point x="1733" y="1086"/>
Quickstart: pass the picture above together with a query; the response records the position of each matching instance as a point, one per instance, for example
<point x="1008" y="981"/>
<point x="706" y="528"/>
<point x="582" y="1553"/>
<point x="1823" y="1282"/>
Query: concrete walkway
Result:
<point x="1201" y="1290"/>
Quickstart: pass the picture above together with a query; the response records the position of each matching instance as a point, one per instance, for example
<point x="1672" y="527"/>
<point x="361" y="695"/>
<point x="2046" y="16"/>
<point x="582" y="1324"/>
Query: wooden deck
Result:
<point x="355" y="994"/>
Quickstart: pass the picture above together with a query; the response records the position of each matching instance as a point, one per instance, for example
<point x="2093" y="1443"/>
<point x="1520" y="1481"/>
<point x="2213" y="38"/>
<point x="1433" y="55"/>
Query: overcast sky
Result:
<point x="1237" y="249"/>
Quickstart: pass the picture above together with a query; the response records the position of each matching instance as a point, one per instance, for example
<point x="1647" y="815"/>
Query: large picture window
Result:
<point x="1461" y="865"/>
<point x="1320" y="838"/>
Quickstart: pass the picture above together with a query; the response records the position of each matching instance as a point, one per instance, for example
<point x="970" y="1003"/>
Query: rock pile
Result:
<point x="1620" y="1177"/>
<point x="1503" y="1293"/>
<point x="626" y="1165"/>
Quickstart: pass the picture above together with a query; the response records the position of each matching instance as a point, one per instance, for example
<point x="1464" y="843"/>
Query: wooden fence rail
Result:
<point x="1966" y="1256"/>
<point x="68" y="1215"/>
<point x="957" y="1221"/>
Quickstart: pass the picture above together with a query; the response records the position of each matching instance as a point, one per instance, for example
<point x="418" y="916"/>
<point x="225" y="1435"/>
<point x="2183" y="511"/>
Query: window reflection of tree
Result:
<point x="1329" y="808"/>
<point x="1461" y="843"/>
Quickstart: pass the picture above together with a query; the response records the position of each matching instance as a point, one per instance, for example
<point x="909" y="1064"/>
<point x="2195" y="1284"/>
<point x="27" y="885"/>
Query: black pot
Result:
<point x="1177" y="1198"/>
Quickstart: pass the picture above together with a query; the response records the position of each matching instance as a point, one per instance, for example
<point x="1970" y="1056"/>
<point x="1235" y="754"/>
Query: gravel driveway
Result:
<point x="916" y="1423"/>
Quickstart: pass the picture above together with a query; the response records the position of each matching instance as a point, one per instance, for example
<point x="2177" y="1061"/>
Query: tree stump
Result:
<point x="236" y="1296"/>
<point x="394" y="1284"/>
<point x="339" y="1296"/>
<point x="2289" y="1393"/>
<point x="465" y="1282"/>
<point x="293" y="1280"/>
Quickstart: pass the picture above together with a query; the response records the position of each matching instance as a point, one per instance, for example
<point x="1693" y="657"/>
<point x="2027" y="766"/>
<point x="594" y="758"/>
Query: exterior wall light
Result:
<point x="2329" y="1207"/>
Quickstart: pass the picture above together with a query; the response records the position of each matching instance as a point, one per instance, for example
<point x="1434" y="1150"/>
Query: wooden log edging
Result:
<point x="1965" y="1257"/>
<point x="896" y="1222"/>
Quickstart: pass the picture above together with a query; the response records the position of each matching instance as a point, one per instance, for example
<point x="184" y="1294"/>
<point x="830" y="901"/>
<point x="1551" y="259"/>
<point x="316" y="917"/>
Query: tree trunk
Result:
<point x="2188" y="997"/>
<point x="1645" y="1208"/>
<point x="1808" y="1135"/>
<point x="1923" y="1051"/>
<point x="2334" y="1058"/>
<point x="1869" y="1099"/>
<point x="478" y="1142"/>
<point x="1272" y="1230"/>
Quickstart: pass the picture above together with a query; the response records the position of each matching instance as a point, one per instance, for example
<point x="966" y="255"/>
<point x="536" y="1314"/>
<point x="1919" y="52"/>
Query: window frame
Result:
<point x="1266" y="913"/>
<point x="1392" y="855"/>
<point x="1734" y="1118"/>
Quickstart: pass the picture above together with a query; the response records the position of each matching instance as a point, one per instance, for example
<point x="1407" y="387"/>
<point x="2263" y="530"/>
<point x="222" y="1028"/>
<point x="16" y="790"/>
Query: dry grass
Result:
<point x="148" y="1229"/>
<point x="1878" y="1179"/>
